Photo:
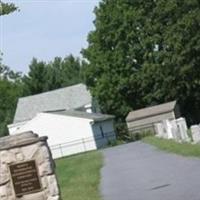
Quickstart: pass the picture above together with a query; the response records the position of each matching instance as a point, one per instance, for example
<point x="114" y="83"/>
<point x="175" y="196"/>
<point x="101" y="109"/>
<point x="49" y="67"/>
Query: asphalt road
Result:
<point x="138" y="171"/>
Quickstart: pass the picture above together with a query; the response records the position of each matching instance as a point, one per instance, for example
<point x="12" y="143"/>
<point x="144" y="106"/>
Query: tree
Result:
<point x="9" y="93"/>
<point x="10" y="90"/>
<point x="71" y="71"/>
<point x="63" y="72"/>
<point x="10" y="83"/>
<point x="7" y="8"/>
<point x="143" y="53"/>
<point x="35" y="81"/>
<point x="58" y="73"/>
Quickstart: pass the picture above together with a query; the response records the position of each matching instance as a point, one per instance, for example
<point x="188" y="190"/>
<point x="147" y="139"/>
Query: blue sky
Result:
<point x="45" y="29"/>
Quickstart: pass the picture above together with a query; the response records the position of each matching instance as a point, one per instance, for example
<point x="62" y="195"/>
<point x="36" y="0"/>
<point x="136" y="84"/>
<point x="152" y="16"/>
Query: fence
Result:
<point x="81" y="145"/>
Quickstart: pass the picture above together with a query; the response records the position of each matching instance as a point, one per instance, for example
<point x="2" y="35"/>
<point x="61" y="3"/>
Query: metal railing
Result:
<point x="81" y="145"/>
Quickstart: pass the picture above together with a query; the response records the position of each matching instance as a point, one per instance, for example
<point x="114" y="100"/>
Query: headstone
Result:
<point x="27" y="169"/>
<point x="195" y="129"/>
<point x="159" y="129"/>
<point x="182" y="126"/>
<point x="175" y="130"/>
<point x="168" y="129"/>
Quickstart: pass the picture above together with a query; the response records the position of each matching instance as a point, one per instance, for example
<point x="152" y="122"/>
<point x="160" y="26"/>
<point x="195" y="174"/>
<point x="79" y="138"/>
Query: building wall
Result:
<point x="66" y="134"/>
<point x="148" y="122"/>
<point x="14" y="127"/>
<point x="103" y="130"/>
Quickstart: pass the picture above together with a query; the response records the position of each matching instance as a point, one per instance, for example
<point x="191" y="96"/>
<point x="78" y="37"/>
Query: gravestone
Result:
<point x="175" y="130"/>
<point x="182" y="126"/>
<point x="168" y="129"/>
<point x="159" y="129"/>
<point x="27" y="169"/>
<point x="195" y="129"/>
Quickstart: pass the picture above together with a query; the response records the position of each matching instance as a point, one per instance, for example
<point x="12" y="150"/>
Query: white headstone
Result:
<point x="159" y="130"/>
<point x="168" y="129"/>
<point x="182" y="126"/>
<point x="175" y="130"/>
<point x="195" y="129"/>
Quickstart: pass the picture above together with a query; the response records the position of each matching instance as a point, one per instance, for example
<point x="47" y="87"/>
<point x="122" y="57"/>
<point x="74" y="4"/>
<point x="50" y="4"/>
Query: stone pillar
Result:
<point x="27" y="169"/>
<point x="195" y="129"/>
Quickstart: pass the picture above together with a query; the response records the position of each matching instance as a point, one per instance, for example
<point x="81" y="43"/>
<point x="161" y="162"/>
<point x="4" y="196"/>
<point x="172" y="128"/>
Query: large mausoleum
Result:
<point x="145" y="118"/>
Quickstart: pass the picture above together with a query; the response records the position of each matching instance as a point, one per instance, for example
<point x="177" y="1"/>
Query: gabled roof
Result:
<point x="151" y="111"/>
<point x="96" y="117"/>
<point x="71" y="97"/>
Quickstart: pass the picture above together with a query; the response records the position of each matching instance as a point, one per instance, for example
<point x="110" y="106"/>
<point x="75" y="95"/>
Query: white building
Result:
<point x="61" y="115"/>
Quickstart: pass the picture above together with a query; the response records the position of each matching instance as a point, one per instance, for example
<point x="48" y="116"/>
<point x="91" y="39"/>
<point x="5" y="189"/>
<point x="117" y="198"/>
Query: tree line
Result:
<point x="141" y="53"/>
<point x="41" y="77"/>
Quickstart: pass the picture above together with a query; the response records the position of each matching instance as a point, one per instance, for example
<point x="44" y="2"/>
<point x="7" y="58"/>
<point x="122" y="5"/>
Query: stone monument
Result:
<point x="195" y="130"/>
<point x="168" y="129"/>
<point x="175" y="130"/>
<point x="182" y="126"/>
<point x="159" y="129"/>
<point x="27" y="169"/>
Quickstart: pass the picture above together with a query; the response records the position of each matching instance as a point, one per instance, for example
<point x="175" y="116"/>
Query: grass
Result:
<point x="79" y="176"/>
<point x="185" y="149"/>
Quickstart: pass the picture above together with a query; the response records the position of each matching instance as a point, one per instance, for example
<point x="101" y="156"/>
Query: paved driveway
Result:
<point x="137" y="171"/>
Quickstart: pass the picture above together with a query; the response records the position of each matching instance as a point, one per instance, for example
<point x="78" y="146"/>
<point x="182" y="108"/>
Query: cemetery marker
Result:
<point x="25" y="178"/>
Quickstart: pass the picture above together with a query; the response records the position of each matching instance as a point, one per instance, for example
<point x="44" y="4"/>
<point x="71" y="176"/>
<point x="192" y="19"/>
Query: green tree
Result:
<point x="9" y="93"/>
<point x="55" y="74"/>
<point x="10" y="90"/>
<point x="35" y="81"/>
<point x="10" y="83"/>
<point x="145" y="52"/>
<point x="71" y="71"/>
<point x="7" y="8"/>
<point x="115" y="56"/>
<point x="63" y="72"/>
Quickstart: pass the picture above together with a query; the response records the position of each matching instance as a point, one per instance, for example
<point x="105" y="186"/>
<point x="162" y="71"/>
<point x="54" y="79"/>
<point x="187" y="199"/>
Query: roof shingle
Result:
<point x="71" y="97"/>
<point x="151" y="111"/>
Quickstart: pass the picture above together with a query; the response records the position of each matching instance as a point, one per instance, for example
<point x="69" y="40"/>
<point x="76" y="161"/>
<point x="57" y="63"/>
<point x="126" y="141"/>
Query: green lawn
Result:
<point x="79" y="176"/>
<point x="185" y="149"/>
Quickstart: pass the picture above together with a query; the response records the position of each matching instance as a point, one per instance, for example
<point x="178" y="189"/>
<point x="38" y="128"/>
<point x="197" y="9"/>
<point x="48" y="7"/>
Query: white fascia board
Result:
<point x="66" y="116"/>
<point x="17" y="124"/>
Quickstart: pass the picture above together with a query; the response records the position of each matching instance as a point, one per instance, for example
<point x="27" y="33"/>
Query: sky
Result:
<point x="45" y="29"/>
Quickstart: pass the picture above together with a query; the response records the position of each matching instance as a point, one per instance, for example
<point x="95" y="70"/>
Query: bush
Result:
<point x="139" y="135"/>
<point x="121" y="130"/>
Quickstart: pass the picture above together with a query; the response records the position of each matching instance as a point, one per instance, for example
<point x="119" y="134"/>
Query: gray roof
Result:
<point x="80" y="114"/>
<point x="151" y="111"/>
<point x="71" y="97"/>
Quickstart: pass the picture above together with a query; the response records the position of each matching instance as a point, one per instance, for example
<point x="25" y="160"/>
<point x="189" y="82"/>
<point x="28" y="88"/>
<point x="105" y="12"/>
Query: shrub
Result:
<point x="139" y="135"/>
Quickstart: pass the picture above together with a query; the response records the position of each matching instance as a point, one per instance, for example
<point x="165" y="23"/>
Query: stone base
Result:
<point x="25" y="147"/>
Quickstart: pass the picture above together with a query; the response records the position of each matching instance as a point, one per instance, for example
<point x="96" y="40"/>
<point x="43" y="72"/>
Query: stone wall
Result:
<point x="27" y="147"/>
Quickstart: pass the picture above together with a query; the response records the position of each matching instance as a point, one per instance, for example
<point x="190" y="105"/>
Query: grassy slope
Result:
<point x="79" y="176"/>
<point x="184" y="149"/>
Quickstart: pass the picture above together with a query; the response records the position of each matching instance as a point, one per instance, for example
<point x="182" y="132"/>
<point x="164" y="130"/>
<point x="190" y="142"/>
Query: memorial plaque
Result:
<point x="25" y="178"/>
